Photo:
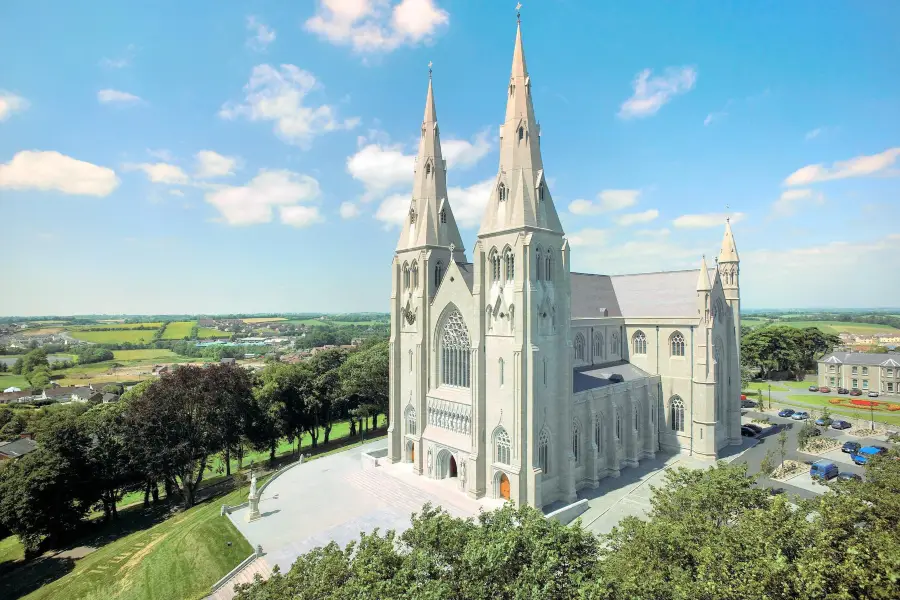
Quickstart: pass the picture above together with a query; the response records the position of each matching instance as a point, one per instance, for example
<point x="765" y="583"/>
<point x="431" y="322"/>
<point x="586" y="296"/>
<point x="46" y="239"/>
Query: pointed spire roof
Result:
<point x="430" y="220"/>
<point x="703" y="283"/>
<point x="729" y="250"/>
<point x="520" y="197"/>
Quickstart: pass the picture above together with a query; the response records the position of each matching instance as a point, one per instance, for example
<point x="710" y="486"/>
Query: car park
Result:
<point x="785" y="412"/>
<point x="867" y="453"/>
<point x="856" y="392"/>
<point x="825" y="389"/>
<point x="851" y="447"/>
<point x="843" y="391"/>
<point x="748" y="404"/>
<point x="823" y="421"/>
<point x="841" y="425"/>
<point x="873" y="394"/>
<point x="753" y="426"/>
<point x="800" y="415"/>
<point x="823" y="470"/>
<point x="747" y="432"/>
<point x="814" y="388"/>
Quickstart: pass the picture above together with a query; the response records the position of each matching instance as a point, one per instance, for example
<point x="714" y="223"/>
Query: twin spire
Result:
<point x="727" y="254"/>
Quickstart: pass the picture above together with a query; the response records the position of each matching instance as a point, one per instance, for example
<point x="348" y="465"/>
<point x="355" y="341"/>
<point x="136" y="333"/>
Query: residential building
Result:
<point x="17" y="448"/>
<point x="859" y="370"/>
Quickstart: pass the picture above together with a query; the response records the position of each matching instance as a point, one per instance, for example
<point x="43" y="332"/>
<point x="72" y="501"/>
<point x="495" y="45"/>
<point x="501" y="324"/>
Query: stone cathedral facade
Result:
<point x="526" y="381"/>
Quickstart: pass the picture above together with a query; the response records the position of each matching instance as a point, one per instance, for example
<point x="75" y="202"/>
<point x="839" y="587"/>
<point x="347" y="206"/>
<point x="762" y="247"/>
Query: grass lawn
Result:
<point x="149" y="354"/>
<point x="836" y="327"/>
<point x="883" y="416"/>
<point x="10" y="551"/>
<point x="180" y="557"/>
<point x="764" y="386"/>
<point x="10" y="380"/>
<point x="156" y="325"/>
<point x="118" y="336"/>
<point x="264" y="319"/>
<point x="178" y="330"/>
<point x="208" y="332"/>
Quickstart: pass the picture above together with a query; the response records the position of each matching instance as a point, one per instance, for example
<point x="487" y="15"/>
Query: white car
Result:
<point x="800" y="415"/>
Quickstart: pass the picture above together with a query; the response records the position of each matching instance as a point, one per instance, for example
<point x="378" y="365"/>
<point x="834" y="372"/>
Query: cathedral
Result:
<point x="525" y="381"/>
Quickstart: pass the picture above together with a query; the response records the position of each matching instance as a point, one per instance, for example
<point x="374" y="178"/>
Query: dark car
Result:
<point x="616" y="378"/>
<point x="754" y="427"/>
<point x="815" y="431"/>
<point x="776" y="491"/>
<point x="747" y="432"/>
<point x="785" y="412"/>
<point x="748" y="404"/>
<point x="843" y="391"/>
<point x="841" y="425"/>
<point x="846" y="476"/>
<point x="814" y="388"/>
<point x="824" y="389"/>
<point x="824" y="421"/>
<point x="856" y="392"/>
<point x="851" y="447"/>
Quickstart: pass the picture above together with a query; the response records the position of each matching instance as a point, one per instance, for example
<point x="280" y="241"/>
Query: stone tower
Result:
<point x="729" y="266"/>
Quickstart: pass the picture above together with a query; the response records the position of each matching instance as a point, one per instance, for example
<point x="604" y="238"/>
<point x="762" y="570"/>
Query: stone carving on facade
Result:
<point x="430" y="461"/>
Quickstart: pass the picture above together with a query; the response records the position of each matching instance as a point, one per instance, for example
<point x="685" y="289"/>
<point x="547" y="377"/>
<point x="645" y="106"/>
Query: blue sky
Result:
<point x="255" y="156"/>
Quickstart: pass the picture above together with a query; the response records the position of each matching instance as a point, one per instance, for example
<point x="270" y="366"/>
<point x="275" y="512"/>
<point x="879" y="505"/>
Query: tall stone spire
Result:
<point x="520" y="197"/>
<point x="429" y="221"/>
<point x="703" y="284"/>
<point x="729" y="253"/>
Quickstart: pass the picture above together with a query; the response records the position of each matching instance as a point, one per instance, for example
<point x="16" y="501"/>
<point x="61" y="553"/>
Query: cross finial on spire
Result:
<point x="518" y="12"/>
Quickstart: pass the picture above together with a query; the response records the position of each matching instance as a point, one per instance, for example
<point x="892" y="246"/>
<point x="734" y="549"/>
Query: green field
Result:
<point x="10" y="380"/>
<point x="158" y="354"/>
<point x="118" y="336"/>
<point x="178" y="330"/>
<point x="254" y="320"/>
<point x="318" y="322"/>
<point x="117" y="326"/>
<point x="834" y="327"/>
<point x="208" y="332"/>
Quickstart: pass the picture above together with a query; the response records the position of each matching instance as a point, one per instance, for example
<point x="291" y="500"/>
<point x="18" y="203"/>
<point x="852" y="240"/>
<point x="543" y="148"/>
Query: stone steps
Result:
<point x="245" y="575"/>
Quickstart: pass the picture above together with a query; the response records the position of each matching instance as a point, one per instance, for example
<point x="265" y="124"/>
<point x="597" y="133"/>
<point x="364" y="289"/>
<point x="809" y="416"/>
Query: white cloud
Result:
<point x="859" y="166"/>
<point x="468" y="204"/>
<point x="212" y="164"/>
<point x="381" y="168"/>
<point x="463" y="154"/>
<point x="786" y="205"/>
<point x="262" y="35"/>
<point x="635" y="218"/>
<point x="10" y="103"/>
<point x="651" y="93"/>
<point x="160" y="172"/>
<point x="607" y="200"/>
<point x="377" y="25"/>
<point x="705" y="220"/>
<point x="178" y="193"/>
<point x="589" y="237"/>
<point x="279" y="95"/>
<point x="253" y="203"/>
<point x="769" y="276"/>
<point x="108" y="96"/>
<point x="653" y="232"/>
<point x="49" y="170"/>
<point x="300" y="216"/>
<point x="394" y="209"/>
<point x="161" y="154"/>
<point x="349" y="210"/>
<point x="593" y="251"/>
<point x="811" y="135"/>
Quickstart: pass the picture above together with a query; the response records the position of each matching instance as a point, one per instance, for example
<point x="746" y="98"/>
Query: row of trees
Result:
<point x="780" y="352"/>
<point x="710" y="534"/>
<point x="168" y="432"/>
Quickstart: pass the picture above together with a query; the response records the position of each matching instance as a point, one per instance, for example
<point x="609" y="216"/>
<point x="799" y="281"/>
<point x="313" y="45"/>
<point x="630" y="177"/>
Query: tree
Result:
<point x="767" y="465"/>
<point x="805" y="435"/>
<point x="365" y="375"/>
<point x="113" y="388"/>
<point x="782" y="445"/>
<point x="3" y="367"/>
<point x="39" y="378"/>
<point x="31" y="361"/>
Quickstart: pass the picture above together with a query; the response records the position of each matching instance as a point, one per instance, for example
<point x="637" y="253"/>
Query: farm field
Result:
<point x="834" y="327"/>
<point x="209" y="332"/>
<point x="318" y="322"/>
<point x="10" y="380"/>
<point x="116" y="326"/>
<point x="264" y="319"/>
<point x="43" y="331"/>
<point x="159" y="354"/>
<point x="118" y="336"/>
<point x="178" y="330"/>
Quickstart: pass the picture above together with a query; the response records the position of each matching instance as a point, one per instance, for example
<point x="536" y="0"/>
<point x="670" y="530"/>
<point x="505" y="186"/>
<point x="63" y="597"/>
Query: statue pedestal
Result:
<point x="253" y="514"/>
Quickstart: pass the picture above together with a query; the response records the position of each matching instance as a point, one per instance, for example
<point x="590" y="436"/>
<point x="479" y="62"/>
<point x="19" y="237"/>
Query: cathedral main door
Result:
<point x="452" y="467"/>
<point x="504" y="487"/>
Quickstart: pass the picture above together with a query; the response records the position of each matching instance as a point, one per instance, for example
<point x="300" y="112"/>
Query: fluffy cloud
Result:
<point x="37" y="170"/>
<point x="463" y="154"/>
<point x="280" y="95"/>
<point x="349" y="210"/>
<point x="160" y="172"/>
<point x="651" y="93"/>
<point x="769" y="276"/>
<point x="593" y="251"/>
<point x="10" y="103"/>
<point x="212" y="164"/>
<point x="116" y="97"/>
<point x="860" y="166"/>
<point x="705" y="220"/>
<point x="607" y="200"/>
<point x="377" y="25"/>
<point x="262" y="35"/>
<point x="587" y="238"/>
<point x="635" y="218"/>
<point x="253" y="203"/>
<point x="468" y="204"/>
<point x="786" y="205"/>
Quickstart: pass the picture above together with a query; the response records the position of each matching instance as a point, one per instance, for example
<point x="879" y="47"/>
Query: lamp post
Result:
<point x="770" y="396"/>
<point x="872" y="414"/>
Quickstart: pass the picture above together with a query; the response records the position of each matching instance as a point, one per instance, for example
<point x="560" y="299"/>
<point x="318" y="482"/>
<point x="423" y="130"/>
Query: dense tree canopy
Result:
<point x="785" y="350"/>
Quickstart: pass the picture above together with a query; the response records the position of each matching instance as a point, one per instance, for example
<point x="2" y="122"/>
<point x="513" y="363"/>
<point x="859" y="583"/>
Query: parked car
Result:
<point x="856" y="392"/>
<point x="867" y="453"/>
<point x="776" y="491"/>
<point x="847" y="476"/>
<point x="823" y="470"/>
<point x="825" y="389"/>
<point x="747" y="432"/>
<point x="800" y="415"/>
<point x="843" y="391"/>
<point x="824" y="421"/>
<point x="785" y="412"/>
<point x="841" y="425"/>
<point x="754" y="427"/>
<point x="814" y="388"/>
<point x="616" y="378"/>
<point x="743" y="396"/>
<point x="879" y="449"/>
<point x="873" y="394"/>
<point x="815" y="431"/>
<point x="748" y="404"/>
<point x="851" y="447"/>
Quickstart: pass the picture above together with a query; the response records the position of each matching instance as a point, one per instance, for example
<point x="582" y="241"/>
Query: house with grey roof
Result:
<point x="17" y="448"/>
<point x="861" y="370"/>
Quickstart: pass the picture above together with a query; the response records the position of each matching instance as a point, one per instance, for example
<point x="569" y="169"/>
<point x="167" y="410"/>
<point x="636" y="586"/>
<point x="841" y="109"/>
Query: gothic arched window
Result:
<point x="618" y="427"/>
<point x="614" y="343"/>
<point x="579" y="347"/>
<point x="410" y="361"/>
<point x="576" y="441"/>
<point x="544" y="452"/>
<point x="720" y="379"/>
<point x="501" y="447"/>
<point x="598" y="344"/>
<point x="636" y="418"/>
<point x="405" y="276"/>
<point x="438" y="273"/>
<point x="455" y="351"/>
<point x="415" y="275"/>
<point x="677" y="344"/>
<point x="541" y="193"/>
<point x="598" y="433"/>
<point x="501" y="192"/>
<point x="412" y="216"/>
<point x="521" y="133"/>
<point x="676" y="413"/>
<point x="427" y="168"/>
<point x="510" y="265"/>
<point x="495" y="265"/>
<point x="443" y="215"/>
<point x="410" y="420"/>
<point x="539" y="266"/>
<point x="545" y="372"/>
<point x="548" y="265"/>
<point x="501" y="367"/>
<point x="639" y="343"/>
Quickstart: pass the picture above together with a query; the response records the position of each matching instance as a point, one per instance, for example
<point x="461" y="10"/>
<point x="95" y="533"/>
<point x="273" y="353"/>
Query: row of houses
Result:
<point x="296" y="357"/>
<point x="60" y="394"/>
<point x="888" y="339"/>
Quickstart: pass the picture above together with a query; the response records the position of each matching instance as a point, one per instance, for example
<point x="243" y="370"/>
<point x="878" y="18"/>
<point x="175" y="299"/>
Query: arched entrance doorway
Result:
<point x="503" y="487"/>
<point x="452" y="470"/>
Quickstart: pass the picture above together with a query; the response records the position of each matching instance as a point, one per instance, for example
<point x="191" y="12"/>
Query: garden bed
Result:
<point x="820" y="445"/>
<point x="789" y="469"/>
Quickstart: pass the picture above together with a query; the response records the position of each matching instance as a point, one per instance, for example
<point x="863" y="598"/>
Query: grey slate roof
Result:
<point x="18" y="448"/>
<point x="468" y="273"/>
<point x="109" y="397"/>
<point x="663" y="294"/>
<point x="862" y="358"/>
<point x="597" y="376"/>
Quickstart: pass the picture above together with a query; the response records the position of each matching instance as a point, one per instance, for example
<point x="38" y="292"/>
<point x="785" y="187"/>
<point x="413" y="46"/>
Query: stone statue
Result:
<point x="462" y="474"/>
<point x="253" y="485"/>
<point x="253" y="513"/>
<point x="430" y="462"/>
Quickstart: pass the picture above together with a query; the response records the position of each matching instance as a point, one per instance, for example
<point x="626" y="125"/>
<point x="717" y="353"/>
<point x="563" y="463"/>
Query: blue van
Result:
<point x="823" y="470"/>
